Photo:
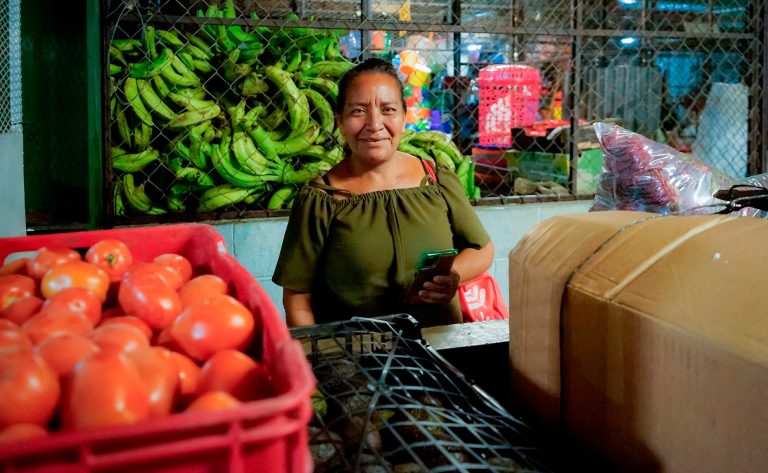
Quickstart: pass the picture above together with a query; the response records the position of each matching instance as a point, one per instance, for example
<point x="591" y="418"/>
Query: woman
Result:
<point x="354" y="237"/>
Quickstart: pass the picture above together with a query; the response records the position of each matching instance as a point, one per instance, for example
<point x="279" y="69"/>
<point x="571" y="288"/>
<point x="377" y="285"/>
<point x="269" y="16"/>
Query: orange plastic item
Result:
<point x="264" y="435"/>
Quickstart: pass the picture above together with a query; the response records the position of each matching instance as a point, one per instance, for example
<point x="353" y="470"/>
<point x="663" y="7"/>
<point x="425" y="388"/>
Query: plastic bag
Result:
<point x="481" y="299"/>
<point x="641" y="174"/>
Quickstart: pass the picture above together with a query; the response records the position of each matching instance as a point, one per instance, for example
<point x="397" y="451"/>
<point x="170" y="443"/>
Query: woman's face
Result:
<point x="372" y="119"/>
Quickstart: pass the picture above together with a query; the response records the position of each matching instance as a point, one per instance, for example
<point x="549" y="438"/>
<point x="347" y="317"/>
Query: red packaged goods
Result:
<point x="263" y="433"/>
<point x="641" y="174"/>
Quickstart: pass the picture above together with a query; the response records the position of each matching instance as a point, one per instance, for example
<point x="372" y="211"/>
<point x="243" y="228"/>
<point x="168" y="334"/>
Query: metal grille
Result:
<point x="10" y="67"/>
<point x="686" y="73"/>
<point x="387" y="402"/>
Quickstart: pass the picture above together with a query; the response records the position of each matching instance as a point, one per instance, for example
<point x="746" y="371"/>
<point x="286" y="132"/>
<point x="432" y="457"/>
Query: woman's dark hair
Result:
<point x="369" y="65"/>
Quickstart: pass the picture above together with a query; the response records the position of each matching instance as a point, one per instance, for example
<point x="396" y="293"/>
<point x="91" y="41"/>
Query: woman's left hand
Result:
<point x="441" y="289"/>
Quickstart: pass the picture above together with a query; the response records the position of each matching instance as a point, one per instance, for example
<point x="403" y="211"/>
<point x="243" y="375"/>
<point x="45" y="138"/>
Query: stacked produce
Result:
<point x="436" y="146"/>
<point x="99" y="340"/>
<point x="217" y="115"/>
<point x="221" y="115"/>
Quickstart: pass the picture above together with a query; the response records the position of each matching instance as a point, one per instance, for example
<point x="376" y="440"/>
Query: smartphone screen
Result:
<point x="429" y="265"/>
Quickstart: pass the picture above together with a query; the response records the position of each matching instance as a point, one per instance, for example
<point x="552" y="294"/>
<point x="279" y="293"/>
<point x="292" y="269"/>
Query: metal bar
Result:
<point x="456" y="19"/>
<point x="96" y="119"/>
<point x="758" y="162"/>
<point x="14" y="90"/>
<point x="365" y="24"/>
<point x="757" y="84"/>
<point x="365" y="33"/>
<point x="574" y="80"/>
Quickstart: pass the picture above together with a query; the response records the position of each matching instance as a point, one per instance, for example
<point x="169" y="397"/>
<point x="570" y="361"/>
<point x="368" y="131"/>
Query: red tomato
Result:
<point x="201" y="288"/>
<point x="15" y="286"/>
<point x="131" y="320"/>
<point x="46" y="258"/>
<point x="11" y="335"/>
<point x="177" y="263"/>
<point x="51" y="322"/>
<point x="113" y="256"/>
<point x="29" y="388"/>
<point x="75" y="274"/>
<point x="104" y="389"/>
<point x="214" y="324"/>
<point x="169" y="276"/>
<point x="76" y="299"/>
<point x="189" y="374"/>
<point x="145" y="293"/>
<point x="17" y="266"/>
<point x="160" y="377"/>
<point x="64" y="350"/>
<point x="22" y="309"/>
<point x="236" y="373"/>
<point x="119" y="337"/>
<point x="213" y="401"/>
<point x="22" y="431"/>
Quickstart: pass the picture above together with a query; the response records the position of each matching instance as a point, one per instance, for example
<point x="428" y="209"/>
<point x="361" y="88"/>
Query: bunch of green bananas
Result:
<point x="436" y="146"/>
<point x="221" y="114"/>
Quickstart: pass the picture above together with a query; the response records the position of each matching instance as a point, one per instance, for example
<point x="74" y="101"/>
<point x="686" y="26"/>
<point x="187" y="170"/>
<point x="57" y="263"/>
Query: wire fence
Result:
<point x="223" y="109"/>
<point x="10" y="67"/>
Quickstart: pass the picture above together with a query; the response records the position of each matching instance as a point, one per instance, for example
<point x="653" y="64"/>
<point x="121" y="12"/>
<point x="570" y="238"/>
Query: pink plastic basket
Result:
<point x="509" y="97"/>
<point x="264" y="435"/>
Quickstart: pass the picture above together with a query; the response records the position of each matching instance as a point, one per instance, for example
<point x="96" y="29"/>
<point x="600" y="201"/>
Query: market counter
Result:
<point x="476" y="334"/>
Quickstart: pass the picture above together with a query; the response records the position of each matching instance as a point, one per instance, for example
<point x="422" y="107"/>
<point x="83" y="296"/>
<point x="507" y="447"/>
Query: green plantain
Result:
<point x="153" y="101"/>
<point x="137" y="198"/>
<point x="135" y="161"/>
<point x="149" y="68"/>
<point x="222" y="196"/>
<point x="131" y="91"/>
<point x="298" y="107"/>
<point x="193" y="117"/>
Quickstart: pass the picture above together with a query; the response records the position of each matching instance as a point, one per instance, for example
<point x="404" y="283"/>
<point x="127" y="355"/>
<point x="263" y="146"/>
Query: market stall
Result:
<point x="219" y="111"/>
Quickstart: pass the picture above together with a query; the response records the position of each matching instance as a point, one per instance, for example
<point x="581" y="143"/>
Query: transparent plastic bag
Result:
<point x="642" y="174"/>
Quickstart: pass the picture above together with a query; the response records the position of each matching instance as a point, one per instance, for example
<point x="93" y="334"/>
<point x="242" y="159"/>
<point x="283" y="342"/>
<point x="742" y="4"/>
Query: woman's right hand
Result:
<point x="441" y="289"/>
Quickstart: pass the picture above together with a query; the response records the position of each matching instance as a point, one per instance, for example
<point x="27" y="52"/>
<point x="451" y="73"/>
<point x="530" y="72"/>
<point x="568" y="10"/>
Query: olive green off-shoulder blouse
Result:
<point x="357" y="255"/>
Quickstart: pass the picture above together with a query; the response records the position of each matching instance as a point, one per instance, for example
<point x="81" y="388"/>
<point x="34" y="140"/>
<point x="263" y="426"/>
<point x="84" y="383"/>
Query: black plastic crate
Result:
<point x="387" y="402"/>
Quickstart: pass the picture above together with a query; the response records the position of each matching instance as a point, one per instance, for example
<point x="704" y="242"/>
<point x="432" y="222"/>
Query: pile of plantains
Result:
<point x="210" y="115"/>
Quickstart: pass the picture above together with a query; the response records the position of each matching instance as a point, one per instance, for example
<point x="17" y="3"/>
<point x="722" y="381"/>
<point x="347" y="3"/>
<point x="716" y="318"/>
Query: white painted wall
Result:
<point x="256" y="243"/>
<point x="12" y="217"/>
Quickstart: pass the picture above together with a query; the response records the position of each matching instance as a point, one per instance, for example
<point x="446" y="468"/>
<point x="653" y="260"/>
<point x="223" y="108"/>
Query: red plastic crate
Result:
<point x="509" y="97"/>
<point x="267" y="435"/>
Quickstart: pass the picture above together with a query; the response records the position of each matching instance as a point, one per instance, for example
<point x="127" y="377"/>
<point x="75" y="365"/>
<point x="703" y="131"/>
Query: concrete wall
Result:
<point x="12" y="217"/>
<point x="256" y="243"/>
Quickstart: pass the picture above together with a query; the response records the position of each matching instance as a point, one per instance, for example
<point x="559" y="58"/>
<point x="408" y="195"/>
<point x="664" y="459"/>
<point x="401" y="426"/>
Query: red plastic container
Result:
<point x="268" y="435"/>
<point x="509" y="97"/>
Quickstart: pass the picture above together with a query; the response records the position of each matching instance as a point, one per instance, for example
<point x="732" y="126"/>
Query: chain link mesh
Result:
<point x="219" y="109"/>
<point x="10" y="67"/>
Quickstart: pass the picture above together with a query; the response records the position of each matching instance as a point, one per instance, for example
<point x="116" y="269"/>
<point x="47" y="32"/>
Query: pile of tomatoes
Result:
<point x="97" y="339"/>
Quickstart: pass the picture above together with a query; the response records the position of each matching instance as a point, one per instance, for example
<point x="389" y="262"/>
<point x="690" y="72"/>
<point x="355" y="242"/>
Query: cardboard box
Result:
<point x="645" y="338"/>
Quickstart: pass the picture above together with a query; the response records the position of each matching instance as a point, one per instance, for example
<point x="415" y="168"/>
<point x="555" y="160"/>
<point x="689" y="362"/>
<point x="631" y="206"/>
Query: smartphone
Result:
<point x="429" y="265"/>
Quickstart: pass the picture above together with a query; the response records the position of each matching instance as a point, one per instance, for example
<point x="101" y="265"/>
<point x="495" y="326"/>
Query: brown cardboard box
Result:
<point x="645" y="338"/>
